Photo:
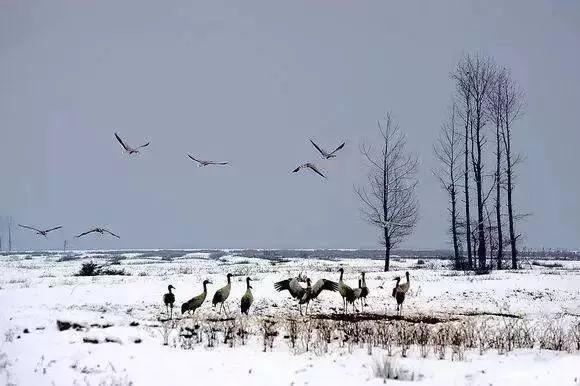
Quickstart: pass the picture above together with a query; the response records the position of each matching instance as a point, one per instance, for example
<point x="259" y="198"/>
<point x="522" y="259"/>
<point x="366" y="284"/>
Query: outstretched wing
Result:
<point x="53" y="229"/>
<point x="85" y="233"/>
<point x="318" y="148"/>
<point x="282" y="285"/>
<point x="27" y="227"/>
<point x="315" y="170"/>
<point x="323" y="284"/>
<point x="196" y="160"/>
<point x="297" y="169"/>
<point x="292" y="285"/>
<point x="338" y="148"/>
<point x="218" y="163"/>
<point x="122" y="143"/>
<point x="145" y="145"/>
<point x="111" y="233"/>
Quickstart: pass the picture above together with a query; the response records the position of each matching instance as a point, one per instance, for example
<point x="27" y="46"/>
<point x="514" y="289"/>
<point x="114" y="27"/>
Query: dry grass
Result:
<point x="446" y="339"/>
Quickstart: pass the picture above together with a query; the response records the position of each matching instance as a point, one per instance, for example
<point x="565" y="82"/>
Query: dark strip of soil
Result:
<point x="427" y="319"/>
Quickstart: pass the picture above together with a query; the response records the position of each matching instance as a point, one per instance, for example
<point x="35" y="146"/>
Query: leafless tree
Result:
<point x="512" y="109"/>
<point x="463" y="104"/>
<point x="495" y="106"/>
<point x="389" y="200"/>
<point x="474" y="77"/>
<point x="448" y="152"/>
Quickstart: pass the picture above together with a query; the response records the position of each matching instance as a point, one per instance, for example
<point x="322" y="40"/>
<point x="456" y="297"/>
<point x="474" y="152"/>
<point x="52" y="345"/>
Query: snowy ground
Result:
<point x="125" y="315"/>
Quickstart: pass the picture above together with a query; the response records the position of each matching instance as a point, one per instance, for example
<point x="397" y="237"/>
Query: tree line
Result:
<point x="476" y="168"/>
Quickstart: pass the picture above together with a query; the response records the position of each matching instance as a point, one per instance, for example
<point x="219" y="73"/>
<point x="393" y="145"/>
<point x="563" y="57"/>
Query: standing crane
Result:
<point x="194" y="303"/>
<point x="223" y="293"/>
<point x="169" y="300"/>
<point x="247" y="299"/>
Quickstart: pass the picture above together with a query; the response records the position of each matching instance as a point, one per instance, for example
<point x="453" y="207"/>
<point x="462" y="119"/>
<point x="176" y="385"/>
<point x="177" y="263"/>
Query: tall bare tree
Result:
<point x="448" y="152"/>
<point x="512" y="109"/>
<point x="389" y="200"/>
<point x="463" y="104"/>
<point x="495" y="106"/>
<point x="474" y="76"/>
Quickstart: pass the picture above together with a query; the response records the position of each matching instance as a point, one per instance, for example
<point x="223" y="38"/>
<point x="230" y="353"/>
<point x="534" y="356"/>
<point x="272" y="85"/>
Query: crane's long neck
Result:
<point x="408" y="277"/>
<point x="364" y="282"/>
<point x="204" y="287"/>
<point x="341" y="273"/>
<point x="229" y="280"/>
<point x="169" y="289"/>
<point x="247" y="284"/>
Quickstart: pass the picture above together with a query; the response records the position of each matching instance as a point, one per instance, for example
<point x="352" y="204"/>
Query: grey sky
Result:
<point x="250" y="82"/>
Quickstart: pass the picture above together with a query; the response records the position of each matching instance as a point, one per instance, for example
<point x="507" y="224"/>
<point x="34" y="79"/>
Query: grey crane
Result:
<point x="364" y="292"/>
<point x="169" y="300"/>
<point x="41" y="232"/>
<point x="128" y="149"/>
<point x="311" y="166"/>
<point x="194" y="303"/>
<point x="405" y="286"/>
<point x="293" y="286"/>
<point x="223" y="293"/>
<point x="325" y="154"/>
<point x="101" y="231"/>
<point x="312" y="291"/>
<point x="247" y="299"/>
<point x="347" y="293"/>
<point x="201" y="163"/>
<point x="356" y="294"/>
<point x="399" y="295"/>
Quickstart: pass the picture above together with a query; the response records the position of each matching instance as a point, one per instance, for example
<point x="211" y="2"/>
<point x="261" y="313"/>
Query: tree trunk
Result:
<point x="387" y="250"/>
<point x="478" y="184"/>
<point x="458" y="260"/>
<point x="466" y="187"/>
<point x="514" y="250"/>
<point x="498" y="201"/>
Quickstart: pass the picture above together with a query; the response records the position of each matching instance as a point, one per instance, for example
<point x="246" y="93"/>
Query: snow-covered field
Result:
<point x="135" y="344"/>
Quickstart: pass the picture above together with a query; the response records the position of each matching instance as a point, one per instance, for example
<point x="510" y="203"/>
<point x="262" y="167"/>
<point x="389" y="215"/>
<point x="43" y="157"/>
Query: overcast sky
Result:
<point x="250" y="82"/>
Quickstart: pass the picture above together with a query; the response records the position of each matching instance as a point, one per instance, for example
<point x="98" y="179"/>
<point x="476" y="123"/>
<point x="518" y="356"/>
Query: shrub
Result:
<point x="386" y="370"/>
<point x="93" y="269"/>
<point x="88" y="269"/>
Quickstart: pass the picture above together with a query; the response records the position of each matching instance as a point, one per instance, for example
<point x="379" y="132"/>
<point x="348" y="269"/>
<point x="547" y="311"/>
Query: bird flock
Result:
<point x="303" y="295"/>
<point x="131" y="151"/>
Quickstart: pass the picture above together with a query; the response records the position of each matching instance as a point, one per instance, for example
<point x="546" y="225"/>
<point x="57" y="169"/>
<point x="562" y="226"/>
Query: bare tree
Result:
<point x="389" y="200"/>
<point x="512" y="109"/>
<point x="448" y="152"/>
<point x="495" y="107"/>
<point x="474" y="76"/>
<point x="463" y="104"/>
